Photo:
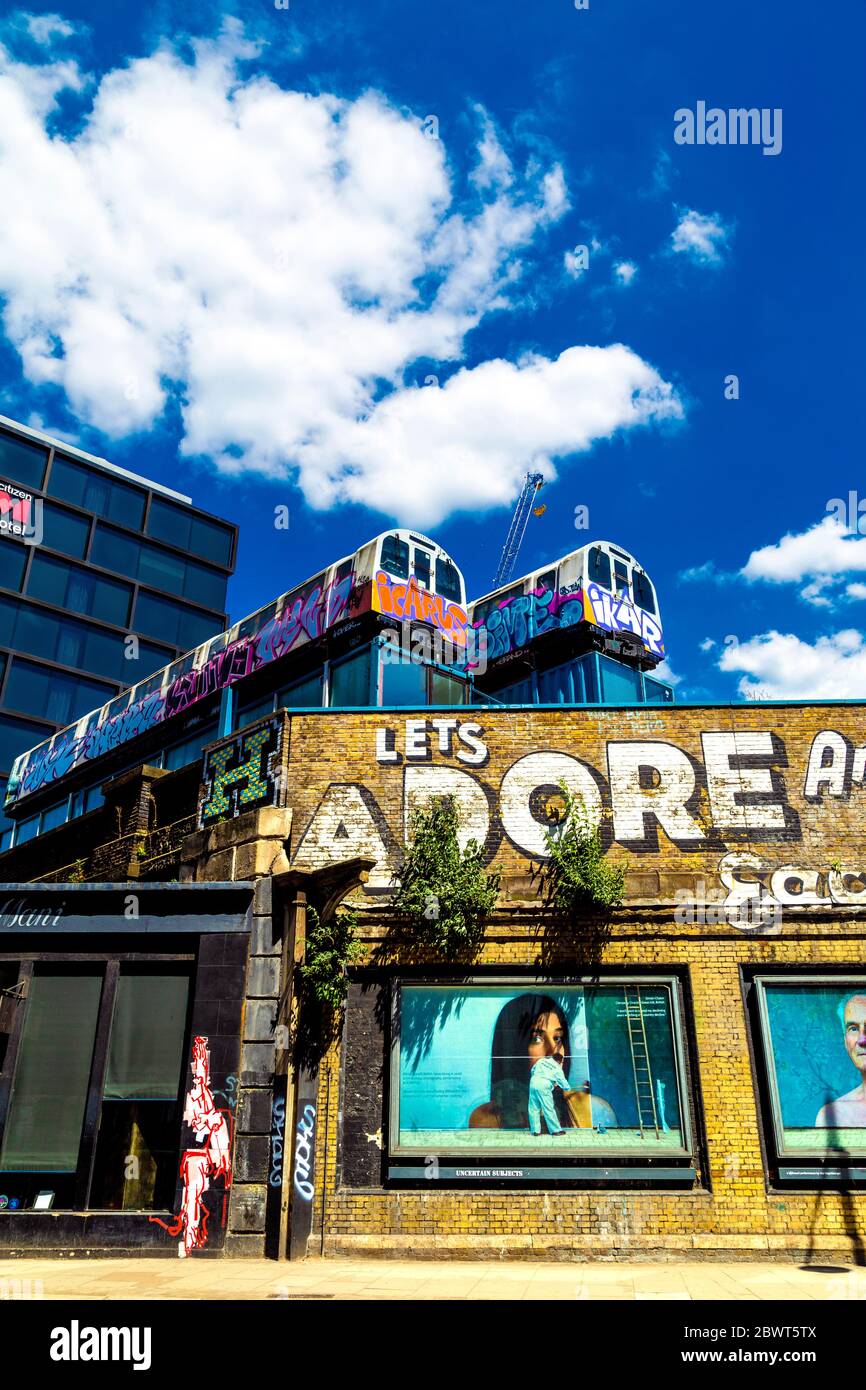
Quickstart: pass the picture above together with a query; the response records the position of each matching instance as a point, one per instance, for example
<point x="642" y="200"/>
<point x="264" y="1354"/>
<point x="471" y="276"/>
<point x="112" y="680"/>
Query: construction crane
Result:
<point x="516" y="531"/>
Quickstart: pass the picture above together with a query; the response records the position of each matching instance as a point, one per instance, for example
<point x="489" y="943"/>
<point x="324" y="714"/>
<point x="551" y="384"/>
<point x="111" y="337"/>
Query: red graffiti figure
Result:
<point x="198" y="1167"/>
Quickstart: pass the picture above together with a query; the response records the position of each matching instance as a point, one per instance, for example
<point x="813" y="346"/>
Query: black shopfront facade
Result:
<point x="121" y="1011"/>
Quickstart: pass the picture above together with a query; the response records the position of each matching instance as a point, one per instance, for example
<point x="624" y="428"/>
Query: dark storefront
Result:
<point x="120" y="1038"/>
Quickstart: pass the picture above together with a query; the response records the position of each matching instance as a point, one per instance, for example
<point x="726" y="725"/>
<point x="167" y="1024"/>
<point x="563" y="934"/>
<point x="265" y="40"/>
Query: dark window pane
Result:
<point x="12" y="558"/>
<point x="64" y="531"/>
<point x="9" y="1005"/>
<point x="395" y="557"/>
<point x="168" y="522"/>
<point x="190" y="750"/>
<point x="305" y="695"/>
<point x="43" y="1131"/>
<point x="78" y="590"/>
<point x="643" y="594"/>
<point x="620" y="579"/>
<point x="105" y="496"/>
<point x="52" y="694"/>
<point x="350" y="681"/>
<point x="446" y="690"/>
<point x="145" y="1055"/>
<point x="22" y="461"/>
<point x="598" y="567"/>
<point x="55" y="815"/>
<point x="114" y="551"/>
<point x="422" y="568"/>
<point x="251" y="713"/>
<point x="27" y="830"/>
<point x="173" y="622"/>
<point x="16" y="736"/>
<point x="403" y="682"/>
<point x="547" y="580"/>
<point x="448" y="581"/>
<point x="204" y="586"/>
<point x="161" y="569"/>
<point x="211" y="541"/>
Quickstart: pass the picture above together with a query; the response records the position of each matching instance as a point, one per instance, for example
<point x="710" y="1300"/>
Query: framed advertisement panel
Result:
<point x="539" y="1072"/>
<point x="813" y="1039"/>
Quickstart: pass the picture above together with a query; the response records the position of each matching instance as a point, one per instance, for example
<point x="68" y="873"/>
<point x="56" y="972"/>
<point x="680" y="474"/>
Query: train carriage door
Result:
<point x="621" y="579"/>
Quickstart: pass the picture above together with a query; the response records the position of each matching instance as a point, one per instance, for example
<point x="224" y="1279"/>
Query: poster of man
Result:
<point x="815" y="1035"/>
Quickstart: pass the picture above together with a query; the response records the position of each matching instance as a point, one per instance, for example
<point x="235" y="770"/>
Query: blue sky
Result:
<point x="238" y="242"/>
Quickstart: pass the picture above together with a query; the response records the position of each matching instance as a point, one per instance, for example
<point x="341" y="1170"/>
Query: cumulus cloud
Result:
<point x="279" y="264"/>
<point x="702" y="238"/>
<point x="823" y="555"/>
<point x="781" y="666"/>
<point x="707" y="644"/>
<point x="624" y="272"/>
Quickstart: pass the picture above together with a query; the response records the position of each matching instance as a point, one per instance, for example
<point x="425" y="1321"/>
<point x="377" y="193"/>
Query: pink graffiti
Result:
<point x="199" y="1167"/>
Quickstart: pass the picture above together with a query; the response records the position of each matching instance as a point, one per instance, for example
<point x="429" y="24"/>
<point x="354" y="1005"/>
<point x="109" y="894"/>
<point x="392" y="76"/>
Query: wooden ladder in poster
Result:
<point x="647" y="1115"/>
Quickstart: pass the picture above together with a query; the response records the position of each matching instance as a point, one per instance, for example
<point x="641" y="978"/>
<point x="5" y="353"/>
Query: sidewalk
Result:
<point x="88" y="1279"/>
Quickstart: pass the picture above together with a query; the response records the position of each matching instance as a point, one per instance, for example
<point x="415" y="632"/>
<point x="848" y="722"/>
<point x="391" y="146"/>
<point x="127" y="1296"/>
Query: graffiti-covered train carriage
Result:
<point x="583" y="629"/>
<point x="317" y="644"/>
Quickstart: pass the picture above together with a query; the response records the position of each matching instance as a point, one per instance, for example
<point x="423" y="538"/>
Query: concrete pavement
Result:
<point x="316" y="1279"/>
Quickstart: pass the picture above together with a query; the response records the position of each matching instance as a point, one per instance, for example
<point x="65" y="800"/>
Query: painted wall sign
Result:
<point x="242" y="774"/>
<point x="24" y="915"/>
<point x="731" y="804"/>
<point x="519" y="619"/>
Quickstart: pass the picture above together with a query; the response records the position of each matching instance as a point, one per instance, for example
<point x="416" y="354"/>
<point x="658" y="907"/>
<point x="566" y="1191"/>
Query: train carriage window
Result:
<point x="621" y="583"/>
<point x="422" y="568"/>
<point x="395" y="557"/>
<point x="547" y="580"/>
<point x="599" y="567"/>
<point x="344" y="570"/>
<point x="643" y="592"/>
<point x="448" y="580"/>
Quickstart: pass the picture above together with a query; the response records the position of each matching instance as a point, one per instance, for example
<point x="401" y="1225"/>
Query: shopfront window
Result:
<point x="95" y="1096"/>
<point x="543" y="1072"/>
<point x="42" y="1135"/>
<point x="136" y="1146"/>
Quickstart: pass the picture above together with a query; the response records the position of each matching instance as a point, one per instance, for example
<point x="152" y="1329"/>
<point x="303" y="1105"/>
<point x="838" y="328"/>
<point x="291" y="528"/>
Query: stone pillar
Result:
<point x="251" y="847"/>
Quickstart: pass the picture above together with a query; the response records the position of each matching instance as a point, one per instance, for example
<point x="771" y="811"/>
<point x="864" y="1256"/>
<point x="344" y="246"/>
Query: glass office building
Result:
<point x="105" y="577"/>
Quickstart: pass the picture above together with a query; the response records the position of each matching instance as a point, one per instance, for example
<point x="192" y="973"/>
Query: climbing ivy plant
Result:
<point x="330" y="947"/>
<point x="444" y="890"/>
<point x="579" y="879"/>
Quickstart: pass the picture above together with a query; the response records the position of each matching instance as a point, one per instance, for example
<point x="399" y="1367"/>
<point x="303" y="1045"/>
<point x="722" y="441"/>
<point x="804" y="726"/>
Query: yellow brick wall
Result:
<point x="732" y="1209"/>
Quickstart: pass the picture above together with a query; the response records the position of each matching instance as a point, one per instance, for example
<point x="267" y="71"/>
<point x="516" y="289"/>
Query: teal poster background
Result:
<point x="446" y="1037"/>
<point x="807" y="1040"/>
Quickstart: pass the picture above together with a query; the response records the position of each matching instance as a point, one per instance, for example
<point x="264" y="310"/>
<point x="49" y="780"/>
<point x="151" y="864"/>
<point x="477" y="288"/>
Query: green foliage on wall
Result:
<point x="579" y="879"/>
<point x="330" y="947"/>
<point x="444" y="890"/>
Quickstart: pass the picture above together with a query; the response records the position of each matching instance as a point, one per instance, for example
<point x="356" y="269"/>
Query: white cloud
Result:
<point x="45" y="28"/>
<point x="826" y="550"/>
<point x="702" y="238"/>
<point x="665" y="672"/>
<point x="781" y="666"/>
<point x="624" y="272"/>
<point x="707" y="644"/>
<point x="279" y="262"/>
<point x="856" y="590"/>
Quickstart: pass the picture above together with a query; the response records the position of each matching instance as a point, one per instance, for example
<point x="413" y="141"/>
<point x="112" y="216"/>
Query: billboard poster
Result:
<point x="536" y="1070"/>
<point x="814" y="1034"/>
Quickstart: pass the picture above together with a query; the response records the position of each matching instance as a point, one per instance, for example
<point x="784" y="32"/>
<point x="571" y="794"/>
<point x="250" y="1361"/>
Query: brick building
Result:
<point x="712" y="1034"/>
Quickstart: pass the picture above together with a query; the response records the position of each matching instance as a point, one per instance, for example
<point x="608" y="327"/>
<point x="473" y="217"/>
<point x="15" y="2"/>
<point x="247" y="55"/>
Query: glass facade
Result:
<point x="65" y="624"/>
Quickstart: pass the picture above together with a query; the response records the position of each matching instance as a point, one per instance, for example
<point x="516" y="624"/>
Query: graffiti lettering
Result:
<point x="304" y="1153"/>
<point x="278" y="1129"/>
<point x="410" y="602"/>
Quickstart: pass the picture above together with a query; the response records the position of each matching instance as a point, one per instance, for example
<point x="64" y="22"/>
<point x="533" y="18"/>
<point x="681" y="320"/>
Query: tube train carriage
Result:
<point x="399" y="576"/>
<point x="584" y="629"/>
